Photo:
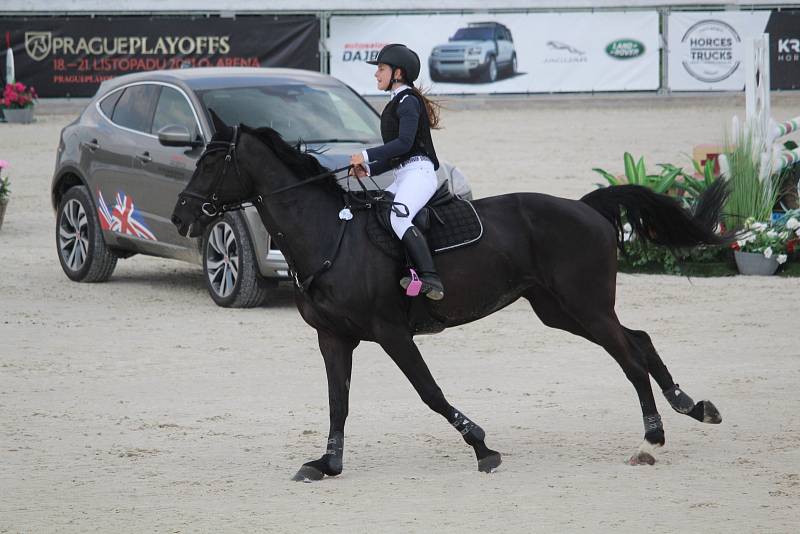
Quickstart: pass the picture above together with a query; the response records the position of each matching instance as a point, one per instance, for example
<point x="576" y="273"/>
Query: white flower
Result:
<point x="626" y="232"/>
<point x="792" y="224"/>
<point x="781" y="259"/>
<point x="797" y="232"/>
<point x="768" y="252"/>
<point x="772" y="233"/>
<point x="758" y="226"/>
<point x="741" y="242"/>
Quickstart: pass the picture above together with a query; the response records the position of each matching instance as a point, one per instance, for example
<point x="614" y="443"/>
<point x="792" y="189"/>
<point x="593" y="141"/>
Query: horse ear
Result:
<point x="219" y="125"/>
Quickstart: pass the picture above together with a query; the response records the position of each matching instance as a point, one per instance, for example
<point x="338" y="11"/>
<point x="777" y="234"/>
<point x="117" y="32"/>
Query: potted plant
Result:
<point x="763" y="247"/>
<point x="4" y="192"/>
<point x="17" y="102"/>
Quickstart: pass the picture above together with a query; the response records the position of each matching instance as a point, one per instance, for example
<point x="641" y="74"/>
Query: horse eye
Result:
<point x="183" y="202"/>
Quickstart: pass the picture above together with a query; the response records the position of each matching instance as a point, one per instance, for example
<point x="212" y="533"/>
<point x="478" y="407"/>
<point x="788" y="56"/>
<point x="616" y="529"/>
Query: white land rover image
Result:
<point x="476" y="53"/>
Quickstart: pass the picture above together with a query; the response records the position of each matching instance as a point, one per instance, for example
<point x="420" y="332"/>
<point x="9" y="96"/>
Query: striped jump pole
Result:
<point x="786" y="127"/>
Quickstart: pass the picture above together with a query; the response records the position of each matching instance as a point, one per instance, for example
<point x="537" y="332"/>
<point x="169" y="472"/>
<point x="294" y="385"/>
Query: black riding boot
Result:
<point x="420" y="254"/>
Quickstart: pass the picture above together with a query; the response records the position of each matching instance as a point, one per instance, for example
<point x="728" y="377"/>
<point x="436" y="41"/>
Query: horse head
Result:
<point x="217" y="181"/>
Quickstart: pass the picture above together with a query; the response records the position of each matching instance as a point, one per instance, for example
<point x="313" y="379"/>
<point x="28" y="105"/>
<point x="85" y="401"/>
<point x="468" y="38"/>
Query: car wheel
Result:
<point x="82" y="252"/>
<point x="490" y="72"/>
<point x="513" y="68"/>
<point x="230" y="264"/>
<point x="435" y="76"/>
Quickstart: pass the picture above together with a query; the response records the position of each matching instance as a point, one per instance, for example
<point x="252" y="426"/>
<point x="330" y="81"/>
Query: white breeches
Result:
<point x="414" y="185"/>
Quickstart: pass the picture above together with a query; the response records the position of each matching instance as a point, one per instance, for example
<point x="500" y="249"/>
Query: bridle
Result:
<point x="209" y="205"/>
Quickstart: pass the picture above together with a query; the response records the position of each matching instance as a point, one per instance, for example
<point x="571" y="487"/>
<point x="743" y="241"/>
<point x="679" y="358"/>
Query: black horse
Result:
<point x="559" y="254"/>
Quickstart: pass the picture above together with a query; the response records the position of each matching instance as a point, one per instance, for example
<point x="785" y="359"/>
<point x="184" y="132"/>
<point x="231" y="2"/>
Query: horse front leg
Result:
<point x="337" y="351"/>
<point x="404" y="352"/>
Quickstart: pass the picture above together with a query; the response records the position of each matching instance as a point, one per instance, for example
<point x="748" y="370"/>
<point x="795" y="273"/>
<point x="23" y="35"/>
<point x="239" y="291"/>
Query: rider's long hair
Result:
<point x="432" y="107"/>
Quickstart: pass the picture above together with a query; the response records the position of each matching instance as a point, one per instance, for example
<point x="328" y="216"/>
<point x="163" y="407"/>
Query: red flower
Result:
<point x="735" y="246"/>
<point x="791" y="244"/>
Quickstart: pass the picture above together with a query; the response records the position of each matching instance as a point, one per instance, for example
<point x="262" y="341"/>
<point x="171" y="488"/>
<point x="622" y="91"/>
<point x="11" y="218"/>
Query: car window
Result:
<point x="108" y="103"/>
<point x="298" y="111"/>
<point x="508" y="35"/>
<point x="173" y="108"/>
<point x="134" y="109"/>
<point x="473" y="34"/>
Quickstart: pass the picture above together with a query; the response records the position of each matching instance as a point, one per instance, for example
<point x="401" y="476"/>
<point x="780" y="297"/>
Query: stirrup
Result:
<point x="414" y="285"/>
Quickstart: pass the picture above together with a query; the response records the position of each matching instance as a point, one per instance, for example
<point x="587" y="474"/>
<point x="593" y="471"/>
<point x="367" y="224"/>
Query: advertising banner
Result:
<point x="71" y="56"/>
<point x="784" y="43"/>
<point x="506" y="53"/>
<point x="706" y="49"/>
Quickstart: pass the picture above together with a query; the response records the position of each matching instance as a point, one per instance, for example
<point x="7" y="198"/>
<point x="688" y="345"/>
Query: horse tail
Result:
<point x="661" y="219"/>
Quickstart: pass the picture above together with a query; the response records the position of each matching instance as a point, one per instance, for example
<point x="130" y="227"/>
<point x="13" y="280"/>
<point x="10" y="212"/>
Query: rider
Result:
<point x="406" y="124"/>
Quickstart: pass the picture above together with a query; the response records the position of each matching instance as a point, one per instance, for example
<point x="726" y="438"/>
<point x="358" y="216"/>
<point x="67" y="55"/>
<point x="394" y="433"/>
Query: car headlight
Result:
<point x="475" y="50"/>
<point x="436" y="52"/>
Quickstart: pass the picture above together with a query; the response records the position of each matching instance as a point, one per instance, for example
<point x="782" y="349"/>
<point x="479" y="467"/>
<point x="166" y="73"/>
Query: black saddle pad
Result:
<point x="452" y="225"/>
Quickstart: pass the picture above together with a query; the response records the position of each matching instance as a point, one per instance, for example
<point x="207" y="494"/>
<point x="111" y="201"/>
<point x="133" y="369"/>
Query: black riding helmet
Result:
<point x="399" y="56"/>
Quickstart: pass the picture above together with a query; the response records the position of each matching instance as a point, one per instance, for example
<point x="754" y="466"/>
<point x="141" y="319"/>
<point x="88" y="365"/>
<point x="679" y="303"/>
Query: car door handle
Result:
<point x="144" y="158"/>
<point x="91" y="145"/>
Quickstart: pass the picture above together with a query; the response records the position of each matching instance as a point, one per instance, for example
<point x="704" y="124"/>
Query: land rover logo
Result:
<point x="625" y="49"/>
<point x="37" y="44"/>
<point x="711" y="50"/>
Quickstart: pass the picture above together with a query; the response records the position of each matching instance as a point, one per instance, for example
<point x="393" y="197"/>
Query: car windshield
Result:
<point x="328" y="114"/>
<point x="473" y="34"/>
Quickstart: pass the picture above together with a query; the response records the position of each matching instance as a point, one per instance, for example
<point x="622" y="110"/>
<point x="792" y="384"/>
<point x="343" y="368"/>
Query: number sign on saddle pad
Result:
<point x="451" y="225"/>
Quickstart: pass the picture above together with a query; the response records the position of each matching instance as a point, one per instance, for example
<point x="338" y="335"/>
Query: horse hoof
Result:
<point x="490" y="463"/>
<point x="642" y="458"/>
<point x="705" y="412"/>
<point x="308" y="473"/>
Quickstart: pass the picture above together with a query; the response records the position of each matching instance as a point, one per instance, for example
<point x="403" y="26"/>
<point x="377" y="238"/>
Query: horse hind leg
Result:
<point x="703" y="411"/>
<point x="603" y="328"/>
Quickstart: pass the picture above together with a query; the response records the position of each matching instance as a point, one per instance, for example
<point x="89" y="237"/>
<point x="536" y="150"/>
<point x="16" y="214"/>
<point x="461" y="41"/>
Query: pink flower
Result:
<point x="3" y="164"/>
<point x="19" y="86"/>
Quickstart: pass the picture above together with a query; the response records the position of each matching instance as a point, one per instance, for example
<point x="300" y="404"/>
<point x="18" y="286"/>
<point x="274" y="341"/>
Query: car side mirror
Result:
<point x="176" y="135"/>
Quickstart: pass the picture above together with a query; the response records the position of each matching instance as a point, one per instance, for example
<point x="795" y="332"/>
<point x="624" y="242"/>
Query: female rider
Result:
<point x="406" y="124"/>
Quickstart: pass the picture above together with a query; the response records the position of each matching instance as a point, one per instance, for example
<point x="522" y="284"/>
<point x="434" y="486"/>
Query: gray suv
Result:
<point x="123" y="161"/>
<point x="478" y="52"/>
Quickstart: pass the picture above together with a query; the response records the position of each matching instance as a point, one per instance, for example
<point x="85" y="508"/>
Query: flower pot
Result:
<point x="3" y="204"/>
<point x="754" y="263"/>
<point x="18" y="115"/>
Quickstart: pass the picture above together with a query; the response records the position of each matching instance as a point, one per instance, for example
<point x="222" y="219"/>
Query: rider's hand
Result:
<point x="357" y="159"/>
<point x="360" y="171"/>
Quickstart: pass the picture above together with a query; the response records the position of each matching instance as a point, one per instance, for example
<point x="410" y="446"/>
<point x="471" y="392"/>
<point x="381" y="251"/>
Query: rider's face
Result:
<point x="384" y="76"/>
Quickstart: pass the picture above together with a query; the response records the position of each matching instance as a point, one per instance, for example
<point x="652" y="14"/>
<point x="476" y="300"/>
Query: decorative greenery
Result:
<point x="636" y="174"/>
<point x="700" y="261"/>
<point x="18" y="96"/>
<point x="694" y="187"/>
<point x="5" y="191"/>
<point x="769" y="239"/>
<point x="750" y="196"/>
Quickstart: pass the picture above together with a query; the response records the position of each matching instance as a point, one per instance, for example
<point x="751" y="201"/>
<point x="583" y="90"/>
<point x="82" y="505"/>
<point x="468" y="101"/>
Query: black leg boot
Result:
<point x="420" y="254"/>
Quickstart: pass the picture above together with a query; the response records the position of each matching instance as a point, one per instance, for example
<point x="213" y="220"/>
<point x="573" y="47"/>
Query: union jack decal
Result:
<point x="123" y="218"/>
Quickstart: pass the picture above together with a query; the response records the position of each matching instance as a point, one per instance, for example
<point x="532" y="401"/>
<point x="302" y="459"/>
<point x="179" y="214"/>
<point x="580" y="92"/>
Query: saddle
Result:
<point x="448" y="222"/>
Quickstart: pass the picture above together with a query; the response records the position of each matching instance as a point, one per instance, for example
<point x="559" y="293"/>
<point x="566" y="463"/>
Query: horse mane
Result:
<point x="299" y="162"/>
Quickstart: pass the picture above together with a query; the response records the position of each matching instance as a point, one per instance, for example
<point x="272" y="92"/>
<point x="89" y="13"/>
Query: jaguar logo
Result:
<point x="555" y="45"/>
<point x="37" y="44"/>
